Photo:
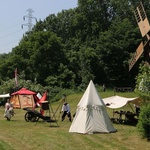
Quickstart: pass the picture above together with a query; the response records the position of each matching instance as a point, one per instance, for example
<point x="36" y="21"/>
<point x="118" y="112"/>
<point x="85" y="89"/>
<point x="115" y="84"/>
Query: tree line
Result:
<point x="94" y="41"/>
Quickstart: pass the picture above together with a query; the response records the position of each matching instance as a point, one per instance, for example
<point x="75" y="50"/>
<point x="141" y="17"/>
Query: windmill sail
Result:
<point x="142" y="20"/>
<point x="137" y="55"/>
<point x="144" y="27"/>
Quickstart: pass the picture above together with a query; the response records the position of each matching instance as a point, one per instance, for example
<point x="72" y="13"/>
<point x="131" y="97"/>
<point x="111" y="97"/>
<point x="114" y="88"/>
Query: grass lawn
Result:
<point x="18" y="134"/>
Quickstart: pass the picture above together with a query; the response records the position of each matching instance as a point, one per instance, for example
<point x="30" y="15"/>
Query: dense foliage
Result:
<point x="143" y="82"/>
<point x="92" y="41"/>
<point x="142" y="89"/>
<point x="144" y="121"/>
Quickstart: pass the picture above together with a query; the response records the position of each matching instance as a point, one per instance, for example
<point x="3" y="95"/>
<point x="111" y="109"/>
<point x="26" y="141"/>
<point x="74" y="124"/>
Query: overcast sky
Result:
<point x="13" y="11"/>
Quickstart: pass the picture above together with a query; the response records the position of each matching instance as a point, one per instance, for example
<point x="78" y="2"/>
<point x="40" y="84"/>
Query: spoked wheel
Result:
<point x="30" y="117"/>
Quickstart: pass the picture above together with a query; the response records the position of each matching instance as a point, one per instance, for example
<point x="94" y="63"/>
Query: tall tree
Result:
<point x="43" y="52"/>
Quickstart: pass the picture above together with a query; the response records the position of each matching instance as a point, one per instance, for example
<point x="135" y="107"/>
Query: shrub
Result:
<point x="144" y="121"/>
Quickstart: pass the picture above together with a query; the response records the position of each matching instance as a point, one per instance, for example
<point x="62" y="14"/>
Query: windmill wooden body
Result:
<point x="144" y="46"/>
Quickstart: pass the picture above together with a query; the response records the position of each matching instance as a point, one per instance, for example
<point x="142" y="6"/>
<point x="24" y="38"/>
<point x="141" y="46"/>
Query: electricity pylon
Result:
<point x="30" y="17"/>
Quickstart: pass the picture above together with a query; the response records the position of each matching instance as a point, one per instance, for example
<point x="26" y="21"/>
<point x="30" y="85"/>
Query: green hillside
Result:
<point x="18" y="134"/>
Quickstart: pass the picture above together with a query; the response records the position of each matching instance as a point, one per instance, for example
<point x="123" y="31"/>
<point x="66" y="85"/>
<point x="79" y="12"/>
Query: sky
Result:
<point x="12" y="13"/>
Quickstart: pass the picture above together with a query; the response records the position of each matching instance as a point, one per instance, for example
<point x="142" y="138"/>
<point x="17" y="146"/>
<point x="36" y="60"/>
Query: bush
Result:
<point x="144" y="121"/>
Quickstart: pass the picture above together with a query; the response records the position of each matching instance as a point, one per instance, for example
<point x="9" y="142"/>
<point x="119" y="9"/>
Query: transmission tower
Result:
<point x="30" y="17"/>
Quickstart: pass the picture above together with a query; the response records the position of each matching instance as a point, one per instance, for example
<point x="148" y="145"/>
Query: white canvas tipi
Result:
<point x="91" y="115"/>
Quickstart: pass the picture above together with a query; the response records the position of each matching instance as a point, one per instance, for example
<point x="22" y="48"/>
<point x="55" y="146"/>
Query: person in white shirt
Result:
<point x="9" y="112"/>
<point x="66" y="111"/>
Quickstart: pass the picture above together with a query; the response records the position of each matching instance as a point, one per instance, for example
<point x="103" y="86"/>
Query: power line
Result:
<point x="10" y="34"/>
<point x="2" y="30"/>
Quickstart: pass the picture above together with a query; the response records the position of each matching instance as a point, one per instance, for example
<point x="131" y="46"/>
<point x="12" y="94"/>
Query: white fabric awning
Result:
<point x="4" y="95"/>
<point x="118" y="101"/>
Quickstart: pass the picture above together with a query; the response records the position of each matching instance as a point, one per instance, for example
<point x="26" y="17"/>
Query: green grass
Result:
<point x="18" y="134"/>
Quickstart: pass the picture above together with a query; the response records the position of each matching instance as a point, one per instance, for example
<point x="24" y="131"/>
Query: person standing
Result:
<point x="8" y="110"/>
<point x="104" y="88"/>
<point x="66" y="111"/>
<point x="137" y="109"/>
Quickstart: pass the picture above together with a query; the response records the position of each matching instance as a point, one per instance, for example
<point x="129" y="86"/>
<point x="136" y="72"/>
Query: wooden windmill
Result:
<point x="144" y="47"/>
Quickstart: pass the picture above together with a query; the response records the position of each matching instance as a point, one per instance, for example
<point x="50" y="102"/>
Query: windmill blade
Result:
<point x="138" y="53"/>
<point x="142" y="20"/>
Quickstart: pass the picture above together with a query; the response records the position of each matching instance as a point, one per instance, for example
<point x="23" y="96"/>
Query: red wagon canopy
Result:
<point x="24" y="98"/>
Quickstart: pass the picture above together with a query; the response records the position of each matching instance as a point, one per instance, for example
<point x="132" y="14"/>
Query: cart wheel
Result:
<point x="30" y="117"/>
